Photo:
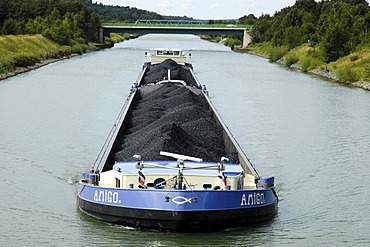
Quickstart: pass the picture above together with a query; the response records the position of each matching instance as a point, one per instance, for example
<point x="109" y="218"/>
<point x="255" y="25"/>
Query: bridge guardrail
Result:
<point x="175" y="25"/>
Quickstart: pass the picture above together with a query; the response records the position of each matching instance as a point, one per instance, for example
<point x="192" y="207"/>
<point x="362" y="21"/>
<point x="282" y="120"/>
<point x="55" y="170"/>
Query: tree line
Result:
<point x="337" y="27"/>
<point x="108" y="13"/>
<point x="64" y="21"/>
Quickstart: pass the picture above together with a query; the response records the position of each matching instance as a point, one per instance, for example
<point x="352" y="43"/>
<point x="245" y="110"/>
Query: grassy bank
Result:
<point x="116" y="37"/>
<point x="23" y="51"/>
<point x="26" y="50"/>
<point x="352" y="68"/>
<point x="223" y="39"/>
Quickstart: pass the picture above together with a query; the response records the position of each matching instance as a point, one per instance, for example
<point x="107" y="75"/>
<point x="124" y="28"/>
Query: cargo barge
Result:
<point x="171" y="163"/>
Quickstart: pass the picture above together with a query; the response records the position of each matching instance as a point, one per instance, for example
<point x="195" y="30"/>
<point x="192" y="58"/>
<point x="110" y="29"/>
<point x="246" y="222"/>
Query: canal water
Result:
<point x="311" y="134"/>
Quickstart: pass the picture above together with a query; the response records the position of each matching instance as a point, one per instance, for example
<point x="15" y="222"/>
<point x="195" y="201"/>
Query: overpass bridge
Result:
<point x="179" y="21"/>
<point x="195" y="30"/>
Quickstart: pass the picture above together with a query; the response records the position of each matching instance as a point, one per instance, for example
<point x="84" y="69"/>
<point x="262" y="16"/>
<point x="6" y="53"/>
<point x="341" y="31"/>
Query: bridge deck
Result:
<point x="185" y="22"/>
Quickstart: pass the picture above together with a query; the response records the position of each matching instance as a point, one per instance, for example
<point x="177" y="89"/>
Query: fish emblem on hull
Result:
<point x="181" y="200"/>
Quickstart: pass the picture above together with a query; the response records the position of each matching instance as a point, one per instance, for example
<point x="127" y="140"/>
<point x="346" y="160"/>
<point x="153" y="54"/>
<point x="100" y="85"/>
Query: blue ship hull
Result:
<point x="193" y="176"/>
<point x="184" y="211"/>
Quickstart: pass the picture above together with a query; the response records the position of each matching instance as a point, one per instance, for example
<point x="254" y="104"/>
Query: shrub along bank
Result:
<point x="353" y="69"/>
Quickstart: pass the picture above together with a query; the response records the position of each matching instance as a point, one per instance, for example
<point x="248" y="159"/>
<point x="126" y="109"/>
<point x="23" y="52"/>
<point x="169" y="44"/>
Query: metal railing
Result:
<point x="127" y="24"/>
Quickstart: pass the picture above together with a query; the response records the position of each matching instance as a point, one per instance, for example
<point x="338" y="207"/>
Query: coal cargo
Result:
<point x="170" y="117"/>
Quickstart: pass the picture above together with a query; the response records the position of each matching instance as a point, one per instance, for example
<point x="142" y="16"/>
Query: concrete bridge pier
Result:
<point x="246" y="39"/>
<point x="101" y="35"/>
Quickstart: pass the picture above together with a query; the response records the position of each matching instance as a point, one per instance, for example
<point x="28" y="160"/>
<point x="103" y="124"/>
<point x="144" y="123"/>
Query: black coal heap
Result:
<point x="170" y="117"/>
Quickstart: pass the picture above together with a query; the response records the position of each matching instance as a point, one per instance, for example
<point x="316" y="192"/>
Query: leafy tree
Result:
<point x="338" y="26"/>
<point x="61" y="20"/>
<point x="335" y="42"/>
<point x="308" y="28"/>
<point x="249" y="20"/>
<point x="309" y="6"/>
<point x="12" y="26"/>
<point x="4" y="10"/>
<point x="262" y="31"/>
<point x="292" y="37"/>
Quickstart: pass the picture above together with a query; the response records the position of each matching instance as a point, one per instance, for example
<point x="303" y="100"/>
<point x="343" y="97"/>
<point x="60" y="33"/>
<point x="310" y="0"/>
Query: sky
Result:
<point x="205" y="9"/>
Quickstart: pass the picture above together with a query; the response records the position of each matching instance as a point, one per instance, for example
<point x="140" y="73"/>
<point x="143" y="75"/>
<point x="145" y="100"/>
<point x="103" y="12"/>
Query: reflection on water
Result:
<point x="310" y="134"/>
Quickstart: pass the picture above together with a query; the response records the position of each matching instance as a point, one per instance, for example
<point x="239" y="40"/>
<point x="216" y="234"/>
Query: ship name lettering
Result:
<point x="106" y="196"/>
<point x="253" y="199"/>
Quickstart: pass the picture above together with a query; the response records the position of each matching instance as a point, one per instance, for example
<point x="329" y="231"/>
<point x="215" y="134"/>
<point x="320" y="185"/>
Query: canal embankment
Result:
<point x="352" y="70"/>
<point x="23" y="53"/>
